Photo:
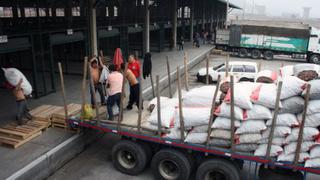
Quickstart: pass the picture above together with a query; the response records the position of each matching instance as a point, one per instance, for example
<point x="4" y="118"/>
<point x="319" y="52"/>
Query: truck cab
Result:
<point x="314" y="46"/>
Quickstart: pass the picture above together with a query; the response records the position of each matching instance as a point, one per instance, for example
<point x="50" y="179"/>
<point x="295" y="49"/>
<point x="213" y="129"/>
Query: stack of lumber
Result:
<point x="13" y="135"/>
<point x="58" y="118"/>
<point x="44" y="113"/>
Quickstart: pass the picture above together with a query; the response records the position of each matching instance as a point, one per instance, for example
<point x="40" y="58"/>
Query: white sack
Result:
<point x="251" y="127"/>
<point x="292" y="146"/>
<point x="291" y="86"/>
<point x="314" y="90"/>
<point x="298" y="68"/>
<point x="200" y="129"/>
<point x="13" y="76"/>
<point x="220" y="142"/>
<point x="312" y="120"/>
<point x="242" y="93"/>
<point x="309" y="134"/>
<point x="199" y="97"/>
<point x="293" y="105"/>
<point x="279" y="131"/>
<point x="265" y="94"/>
<point x="104" y="74"/>
<point x="198" y="138"/>
<point x="290" y="157"/>
<point x="262" y="150"/>
<point x="221" y="134"/>
<point x="285" y="120"/>
<point x="248" y="138"/>
<point x="258" y="112"/>
<point x="174" y="134"/>
<point x="312" y="163"/>
<point x="224" y="123"/>
<point x="164" y="102"/>
<point x="167" y="117"/>
<point x="315" y="152"/>
<point x="280" y="141"/>
<point x="286" y="71"/>
<point x="313" y="107"/>
<point x="224" y="111"/>
<point x="268" y="74"/>
<point x="193" y="116"/>
<point x="246" y="147"/>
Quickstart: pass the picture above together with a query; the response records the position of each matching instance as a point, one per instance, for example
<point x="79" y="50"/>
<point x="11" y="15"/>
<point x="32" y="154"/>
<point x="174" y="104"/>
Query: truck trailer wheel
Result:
<point x="278" y="174"/>
<point x="255" y="54"/>
<point x="170" y="164"/>
<point x="315" y="59"/>
<point x="218" y="169"/>
<point x="268" y="55"/>
<point x="243" y="53"/>
<point x="129" y="157"/>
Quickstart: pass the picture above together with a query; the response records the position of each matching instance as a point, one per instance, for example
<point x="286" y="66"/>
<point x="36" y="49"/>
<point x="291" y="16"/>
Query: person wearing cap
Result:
<point x="95" y="72"/>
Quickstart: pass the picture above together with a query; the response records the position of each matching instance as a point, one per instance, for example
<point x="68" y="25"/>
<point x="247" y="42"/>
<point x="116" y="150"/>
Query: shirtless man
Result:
<point x="134" y="87"/>
<point x="95" y="74"/>
<point x="21" y="104"/>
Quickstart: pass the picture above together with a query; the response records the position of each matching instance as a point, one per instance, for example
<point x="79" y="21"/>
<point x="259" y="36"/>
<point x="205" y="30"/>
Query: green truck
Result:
<point x="264" y="39"/>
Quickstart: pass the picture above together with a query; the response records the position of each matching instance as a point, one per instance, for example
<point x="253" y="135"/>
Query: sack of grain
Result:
<point x="220" y="142"/>
<point x="221" y="134"/>
<point x="200" y="129"/>
<point x="224" y="110"/>
<point x="248" y="138"/>
<point x="314" y="90"/>
<point x="280" y="141"/>
<point x="298" y="68"/>
<point x="312" y="163"/>
<point x="315" y="152"/>
<point x="308" y="75"/>
<point x="199" y="97"/>
<point x="285" y="120"/>
<point x="309" y="134"/>
<point x="265" y="95"/>
<point x="266" y="76"/>
<point x="246" y="147"/>
<point x="313" y="107"/>
<point x="290" y="157"/>
<point x="262" y="150"/>
<point x="13" y="76"/>
<point x="258" y="112"/>
<point x="286" y="71"/>
<point x="279" y="131"/>
<point x="167" y="117"/>
<point x="175" y="133"/>
<point x="251" y="127"/>
<point x="292" y="147"/>
<point x="164" y="102"/>
<point x="193" y="116"/>
<point x="292" y="105"/>
<point x="224" y="87"/>
<point x="242" y="94"/>
<point x="198" y="138"/>
<point x="292" y="86"/>
<point x="224" y="123"/>
<point x="312" y="120"/>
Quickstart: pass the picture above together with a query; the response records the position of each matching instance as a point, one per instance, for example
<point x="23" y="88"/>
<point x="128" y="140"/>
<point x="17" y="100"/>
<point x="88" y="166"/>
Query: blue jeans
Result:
<point x="114" y="99"/>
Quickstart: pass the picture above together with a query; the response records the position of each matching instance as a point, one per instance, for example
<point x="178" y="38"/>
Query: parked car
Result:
<point x="244" y="71"/>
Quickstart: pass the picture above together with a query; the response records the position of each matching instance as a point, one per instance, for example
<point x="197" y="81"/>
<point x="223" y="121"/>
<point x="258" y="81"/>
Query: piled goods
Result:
<point x="44" y="113"/>
<point x="59" y="118"/>
<point x="306" y="72"/>
<point x="266" y="76"/>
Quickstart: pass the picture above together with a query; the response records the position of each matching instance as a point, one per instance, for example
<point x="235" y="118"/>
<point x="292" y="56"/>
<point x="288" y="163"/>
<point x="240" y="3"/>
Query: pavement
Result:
<point x="95" y="163"/>
<point x="21" y="159"/>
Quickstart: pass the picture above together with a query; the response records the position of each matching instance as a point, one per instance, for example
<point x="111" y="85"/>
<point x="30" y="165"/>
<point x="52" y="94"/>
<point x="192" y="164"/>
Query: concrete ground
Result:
<point x="13" y="160"/>
<point x="96" y="164"/>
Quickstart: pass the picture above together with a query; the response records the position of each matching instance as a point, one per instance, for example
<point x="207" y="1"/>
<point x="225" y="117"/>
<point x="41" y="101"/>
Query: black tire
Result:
<point x="170" y="164"/>
<point x="268" y="55"/>
<point x="146" y="147"/>
<point x="246" y="79"/>
<point x="314" y="59"/>
<point x="129" y="157"/>
<point x="218" y="169"/>
<point x="278" y="174"/>
<point x="255" y="54"/>
<point x="243" y="53"/>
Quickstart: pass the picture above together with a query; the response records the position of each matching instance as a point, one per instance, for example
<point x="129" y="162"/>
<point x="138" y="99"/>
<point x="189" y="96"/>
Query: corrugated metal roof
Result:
<point x="230" y="4"/>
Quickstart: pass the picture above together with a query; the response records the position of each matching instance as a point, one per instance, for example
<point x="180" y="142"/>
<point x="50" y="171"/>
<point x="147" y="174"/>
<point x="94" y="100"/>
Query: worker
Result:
<point x="134" y="87"/>
<point x="134" y="66"/>
<point x="181" y="43"/>
<point x="95" y="72"/>
<point x="21" y="104"/>
<point x="114" y="87"/>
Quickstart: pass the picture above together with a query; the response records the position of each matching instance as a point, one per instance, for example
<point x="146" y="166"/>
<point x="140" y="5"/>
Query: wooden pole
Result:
<point x="207" y="70"/>
<point x="63" y="93"/>
<point x="274" y="121"/>
<point x="180" y="107"/>
<point x="259" y="65"/>
<point x="232" y="118"/>
<point x="158" y="107"/>
<point x="152" y="85"/>
<point x="94" y="94"/>
<point x="140" y="106"/>
<point x="169" y="77"/>
<point x="185" y="60"/>
<point x="84" y="82"/>
<point x="213" y="107"/>
<point x="120" y="117"/>
<point x="227" y="65"/>
<point x="300" y="137"/>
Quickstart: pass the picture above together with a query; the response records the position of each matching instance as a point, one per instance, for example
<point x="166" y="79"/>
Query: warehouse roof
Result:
<point x="230" y="4"/>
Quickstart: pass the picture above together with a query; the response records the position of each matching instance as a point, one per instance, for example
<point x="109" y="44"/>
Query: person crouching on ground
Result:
<point x="114" y="86"/>
<point x="95" y="74"/>
<point x="134" y="87"/>
<point x="134" y="66"/>
<point x="21" y="104"/>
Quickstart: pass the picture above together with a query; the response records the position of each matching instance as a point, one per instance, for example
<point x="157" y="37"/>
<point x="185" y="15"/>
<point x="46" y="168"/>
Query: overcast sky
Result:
<point x="277" y="7"/>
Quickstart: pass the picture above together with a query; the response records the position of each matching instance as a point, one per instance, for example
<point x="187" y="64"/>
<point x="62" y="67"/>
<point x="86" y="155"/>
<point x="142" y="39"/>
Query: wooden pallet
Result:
<point x="58" y="118"/>
<point x="44" y="112"/>
<point x="14" y="136"/>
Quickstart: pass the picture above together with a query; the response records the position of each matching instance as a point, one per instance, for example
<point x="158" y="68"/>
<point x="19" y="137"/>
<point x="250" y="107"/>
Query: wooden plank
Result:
<point x="300" y="137"/>
<point x="140" y="106"/>
<point x="207" y="70"/>
<point x="158" y="107"/>
<point x="120" y="117"/>
<point x="63" y="91"/>
<point x="93" y="92"/>
<point x="232" y="118"/>
<point x="274" y="121"/>
<point x="227" y="65"/>
<point x="169" y="77"/>
<point x="39" y="109"/>
<point x="13" y="133"/>
<point x="84" y="83"/>
<point x="180" y="107"/>
<point x="186" y="74"/>
<point x="73" y="109"/>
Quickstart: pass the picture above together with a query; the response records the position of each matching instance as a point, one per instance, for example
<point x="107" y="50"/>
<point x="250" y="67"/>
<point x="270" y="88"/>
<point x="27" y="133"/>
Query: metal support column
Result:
<point x="204" y="15"/>
<point x="174" y="23"/>
<point x="191" y="20"/>
<point x="146" y="27"/>
<point x="227" y="11"/>
<point x="93" y="28"/>
<point x="161" y="36"/>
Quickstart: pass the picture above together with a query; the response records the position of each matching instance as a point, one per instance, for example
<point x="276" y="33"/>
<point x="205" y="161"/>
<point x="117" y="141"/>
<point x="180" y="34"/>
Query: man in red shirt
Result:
<point x="134" y="66"/>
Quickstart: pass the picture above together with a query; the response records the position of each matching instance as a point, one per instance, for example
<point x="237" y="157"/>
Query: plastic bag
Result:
<point x="251" y="127"/>
<point x="13" y="76"/>
<point x="87" y="112"/>
<point x="224" y="123"/>
<point x="285" y="120"/>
